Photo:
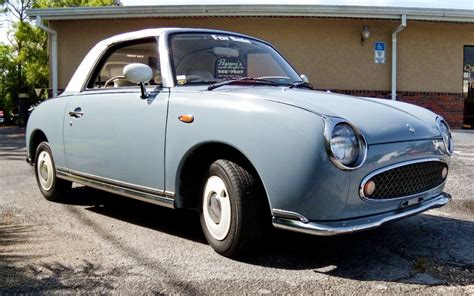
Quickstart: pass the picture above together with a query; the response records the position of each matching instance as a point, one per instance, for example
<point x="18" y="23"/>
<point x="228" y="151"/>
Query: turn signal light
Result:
<point x="187" y="118"/>
<point x="369" y="188"/>
<point x="444" y="172"/>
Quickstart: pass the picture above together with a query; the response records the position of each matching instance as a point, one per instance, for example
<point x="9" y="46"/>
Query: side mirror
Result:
<point x="304" y="78"/>
<point x="139" y="74"/>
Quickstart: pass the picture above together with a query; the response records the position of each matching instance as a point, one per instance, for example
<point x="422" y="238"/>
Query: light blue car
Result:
<point x="221" y="123"/>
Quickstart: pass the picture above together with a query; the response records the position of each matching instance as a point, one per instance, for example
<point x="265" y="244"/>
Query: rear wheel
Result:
<point x="51" y="187"/>
<point x="232" y="212"/>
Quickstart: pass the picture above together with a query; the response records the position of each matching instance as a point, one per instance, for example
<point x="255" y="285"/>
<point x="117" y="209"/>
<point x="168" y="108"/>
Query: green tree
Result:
<point x="8" y="76"/>
<point x="33" y="54"/>
<point x="70" y="3"/>
<point x="16" y="8"/>
<point x="28" y="53"/>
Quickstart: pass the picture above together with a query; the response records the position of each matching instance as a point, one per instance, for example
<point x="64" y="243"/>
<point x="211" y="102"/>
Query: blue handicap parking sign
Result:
<point x="379" y="45"/>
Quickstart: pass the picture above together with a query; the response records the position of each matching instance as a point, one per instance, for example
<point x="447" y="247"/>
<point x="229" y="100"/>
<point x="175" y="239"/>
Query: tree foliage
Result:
<point x="8" y="74"/>
<point x="24" y="63"/>
<point x="71" y="3"/>
<point x="33" y="54"/>
<point x="17" y="8"/>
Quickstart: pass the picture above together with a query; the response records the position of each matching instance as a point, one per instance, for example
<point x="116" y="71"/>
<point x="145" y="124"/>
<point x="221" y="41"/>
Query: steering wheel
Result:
<point x="113" y="79"/>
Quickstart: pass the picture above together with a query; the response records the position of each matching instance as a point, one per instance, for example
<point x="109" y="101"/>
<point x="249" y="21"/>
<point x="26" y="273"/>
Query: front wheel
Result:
<point x="232" y="209"/>
<point x="51" y="187"/>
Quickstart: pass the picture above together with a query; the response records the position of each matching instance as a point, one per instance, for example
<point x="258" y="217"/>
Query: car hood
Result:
<point x="380" y="120"/>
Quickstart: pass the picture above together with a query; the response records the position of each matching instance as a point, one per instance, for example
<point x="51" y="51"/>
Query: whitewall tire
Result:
<point x="51" y="187"/>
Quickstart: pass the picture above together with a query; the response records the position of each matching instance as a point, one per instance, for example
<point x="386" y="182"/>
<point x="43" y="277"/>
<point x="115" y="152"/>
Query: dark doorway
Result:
<point x="468" y="86"/>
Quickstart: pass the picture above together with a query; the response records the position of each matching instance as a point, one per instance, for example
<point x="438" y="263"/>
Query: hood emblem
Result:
<point x="411" y="129"/>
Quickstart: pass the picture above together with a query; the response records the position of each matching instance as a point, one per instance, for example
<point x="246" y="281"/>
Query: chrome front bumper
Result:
<point x="285" y="221"/>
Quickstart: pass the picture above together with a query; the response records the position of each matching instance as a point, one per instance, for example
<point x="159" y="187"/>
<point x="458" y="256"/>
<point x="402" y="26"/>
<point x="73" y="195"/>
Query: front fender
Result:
<point x="48" y="118"/>
<point x="284" y="143"/>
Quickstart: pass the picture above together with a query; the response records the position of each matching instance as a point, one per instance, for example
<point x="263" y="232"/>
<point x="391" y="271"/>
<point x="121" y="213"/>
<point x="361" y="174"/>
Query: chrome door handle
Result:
<point x="76" y="113"/>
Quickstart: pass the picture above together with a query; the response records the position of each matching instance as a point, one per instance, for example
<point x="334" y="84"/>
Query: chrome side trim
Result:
<point x="118" y="183"/>
<point x="169" y="194"/>
<point x="360" y="224"/>
<point x="394" y="166"/>
<point x="60" y="168"/>
<point x="121" y="188"/>
<point x="289" y="215"/>
<point x="448" y="147"/>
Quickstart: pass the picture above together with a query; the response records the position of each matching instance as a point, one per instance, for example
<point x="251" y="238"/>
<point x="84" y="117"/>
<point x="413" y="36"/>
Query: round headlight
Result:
<point x="446" y="134"/>
<point x="344" y="144"/>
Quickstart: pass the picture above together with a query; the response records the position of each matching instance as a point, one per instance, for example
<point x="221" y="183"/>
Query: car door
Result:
<point x="111" y="133"/>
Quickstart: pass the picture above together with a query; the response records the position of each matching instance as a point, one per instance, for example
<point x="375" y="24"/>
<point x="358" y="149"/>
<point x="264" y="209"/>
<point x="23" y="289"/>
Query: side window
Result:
<point x="109" y="71"/>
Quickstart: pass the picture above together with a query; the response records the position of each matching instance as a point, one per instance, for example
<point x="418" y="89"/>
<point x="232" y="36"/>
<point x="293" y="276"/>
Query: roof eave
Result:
<point x="337" y="11"/>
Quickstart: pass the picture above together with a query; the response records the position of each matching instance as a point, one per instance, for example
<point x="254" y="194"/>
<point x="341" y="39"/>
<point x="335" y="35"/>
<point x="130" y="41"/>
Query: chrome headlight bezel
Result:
<point x="330" y="124"/>
<point x="445" y="131"/>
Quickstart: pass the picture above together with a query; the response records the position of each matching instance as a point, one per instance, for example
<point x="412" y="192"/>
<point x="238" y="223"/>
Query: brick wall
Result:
<point x="448" y="105"/>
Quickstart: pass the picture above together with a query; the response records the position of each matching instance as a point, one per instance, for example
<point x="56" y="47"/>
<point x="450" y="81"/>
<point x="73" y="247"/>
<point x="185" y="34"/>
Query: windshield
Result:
<point x="203" y="58"/>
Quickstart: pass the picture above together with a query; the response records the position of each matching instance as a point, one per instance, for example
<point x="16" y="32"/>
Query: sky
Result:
<point x="3" y="29"/>
<point x="449" y="4"/>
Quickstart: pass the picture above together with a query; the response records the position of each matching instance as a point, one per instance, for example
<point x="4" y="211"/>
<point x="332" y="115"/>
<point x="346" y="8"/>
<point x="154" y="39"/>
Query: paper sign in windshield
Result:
<point x="230" y="68"/>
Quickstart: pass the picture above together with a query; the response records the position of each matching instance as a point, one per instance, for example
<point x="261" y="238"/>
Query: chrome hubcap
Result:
<point x="216" y="208"/>
<point x="214" y="205"/>
<point x="45" y="170"/>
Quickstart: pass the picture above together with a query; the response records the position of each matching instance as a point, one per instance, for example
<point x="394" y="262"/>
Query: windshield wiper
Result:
<point x="300" y="84"/>
<point x="200" y="82"/>
<point x="242" y="80"/>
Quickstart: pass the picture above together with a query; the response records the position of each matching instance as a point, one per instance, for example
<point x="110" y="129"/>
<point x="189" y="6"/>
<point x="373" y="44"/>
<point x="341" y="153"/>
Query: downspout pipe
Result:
<point x="54" y="53"/>
<point x="397" y="30"/>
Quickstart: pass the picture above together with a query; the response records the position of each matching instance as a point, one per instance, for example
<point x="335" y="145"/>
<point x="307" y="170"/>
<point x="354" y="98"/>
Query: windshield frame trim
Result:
<point x="168" y="63"/>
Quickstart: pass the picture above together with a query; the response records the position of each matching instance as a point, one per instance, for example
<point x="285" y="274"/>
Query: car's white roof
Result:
<point x="131" y="36"/>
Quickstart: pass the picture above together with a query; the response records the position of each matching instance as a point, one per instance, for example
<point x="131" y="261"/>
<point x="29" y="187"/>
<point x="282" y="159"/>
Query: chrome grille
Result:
<point x="407" y="180"/>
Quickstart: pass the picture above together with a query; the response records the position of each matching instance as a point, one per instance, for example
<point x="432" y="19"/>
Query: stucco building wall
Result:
<point x="328" y="51"/>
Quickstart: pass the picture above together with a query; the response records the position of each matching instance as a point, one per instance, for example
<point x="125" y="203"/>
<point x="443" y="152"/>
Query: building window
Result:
<point x="468" y="86"/>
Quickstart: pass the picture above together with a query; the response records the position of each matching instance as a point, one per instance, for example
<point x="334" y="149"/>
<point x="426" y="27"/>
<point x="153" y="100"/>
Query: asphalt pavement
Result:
<point x="102" y="243"/>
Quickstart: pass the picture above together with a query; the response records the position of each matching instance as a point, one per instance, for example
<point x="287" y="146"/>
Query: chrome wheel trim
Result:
<point x="216" y="208"/>
<point x="45" y="170"/>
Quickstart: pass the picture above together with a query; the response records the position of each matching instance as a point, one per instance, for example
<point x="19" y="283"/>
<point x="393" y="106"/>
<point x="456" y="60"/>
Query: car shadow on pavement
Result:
<point x="180" y="223"/>
<point x="425" y="249"/>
